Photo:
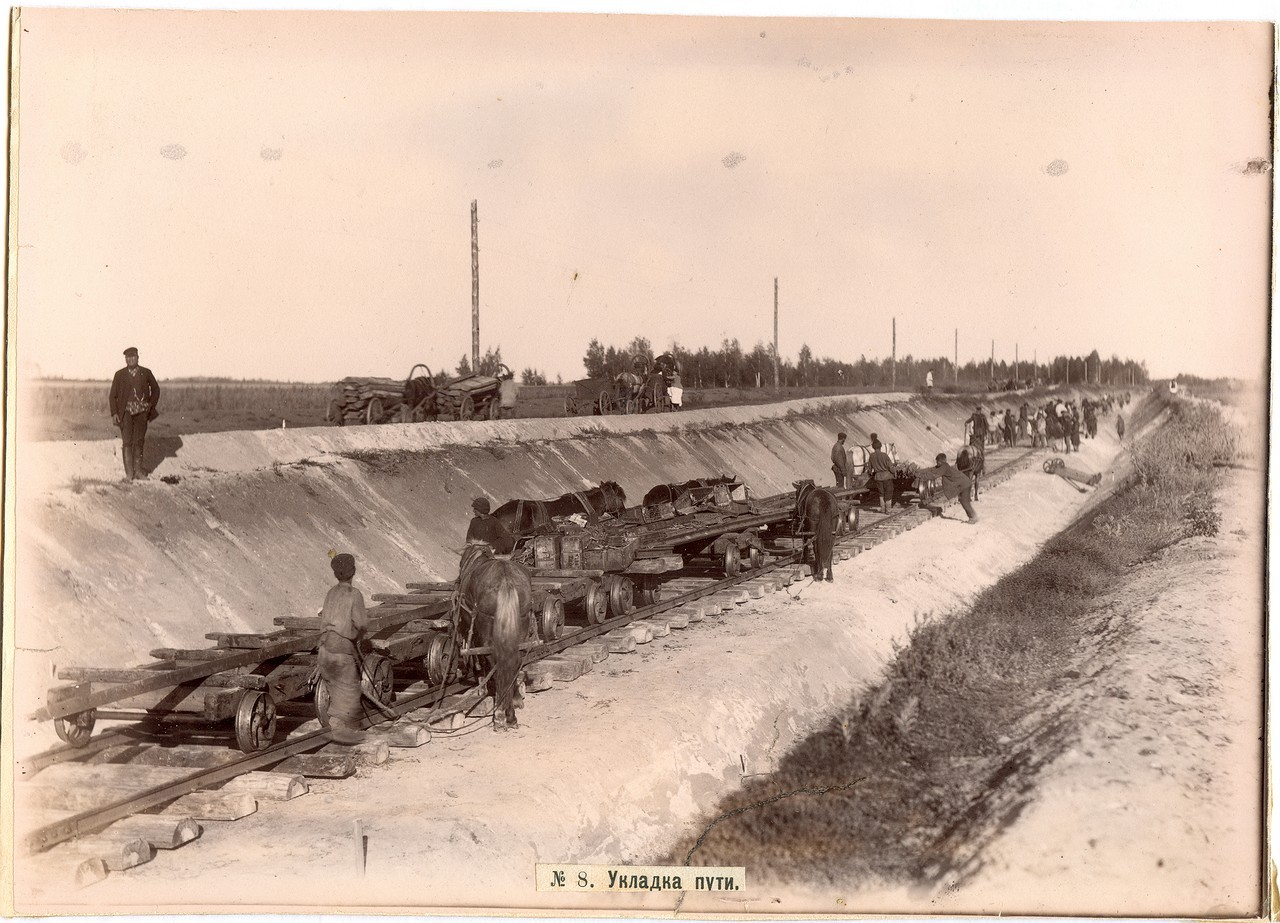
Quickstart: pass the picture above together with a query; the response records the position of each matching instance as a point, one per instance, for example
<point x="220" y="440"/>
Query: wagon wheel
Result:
<point x="438" y="660"/>
<point x="621" y="595"/>
<point x="255" y="721"/>
<point x="1052" y="464"/>
<point x="755" y="558"/>
<point x="467" y="409"/>
<point x="377" y="679"/>
<point x="373" y="413"/>
<point x="76" y="729"/>
<point x="732" y="561"/>
<point x="604" y="403"/>
<point x="495" y="408"/>
<point x="551" y="619"/>
<point x="333" y="413"/>
<point x="570" y="407"/>
<point x="596" y="604"/>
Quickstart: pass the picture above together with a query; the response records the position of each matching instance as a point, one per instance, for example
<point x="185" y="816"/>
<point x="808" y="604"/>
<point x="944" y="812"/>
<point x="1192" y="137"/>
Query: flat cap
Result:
<point x="131" y="351"/>
<point x="480" y="505"/>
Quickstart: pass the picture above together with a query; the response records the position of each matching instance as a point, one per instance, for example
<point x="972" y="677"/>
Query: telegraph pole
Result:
<point x="893" y="369"/>
<point x="993" y="360"/>
<point x="956" y="361"/>
<point x="1015" y="361"/>
<point x="775" y="333"/>
<point x="475" y="290"/>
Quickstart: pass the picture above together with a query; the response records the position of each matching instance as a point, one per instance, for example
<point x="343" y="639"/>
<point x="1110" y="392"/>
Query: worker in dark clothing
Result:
<point x="343" y="622"/>
<point x="484" y="528"/>
<point x="1120" y="426"/>
<point x="955" y="483"/>
<point x="881" y="467"/>
<point x="133" y="399"/>
<point x="840" y="460"/>
<point x="978" y="436"/>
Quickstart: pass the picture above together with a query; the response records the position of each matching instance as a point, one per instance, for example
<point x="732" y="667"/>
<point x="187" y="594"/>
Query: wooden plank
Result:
<point x="691" y="611"/>
<point x="413" y="599"/>
<point x="402" y="734"/>
<point x="673" y="619"/>
<point x="68" y="871"/>
<point x="213" y="806"/>
<point x="320" y="765"/>
<point x="436" y="586"/>
<point x="159" y="830"/>
<point x="658" y="629"/>
<point x="117" y="853"/>
<point x="564" y="667"/>
<point x="567" y="574"/>
<point x="242" y="640"/>
<point x="268" y="786"/>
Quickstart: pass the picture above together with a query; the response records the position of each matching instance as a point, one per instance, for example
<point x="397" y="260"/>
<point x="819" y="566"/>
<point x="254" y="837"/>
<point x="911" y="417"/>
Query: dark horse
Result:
<point x="494" y="611"/>
<point x="524" y="517"/>
<point x="815" y="517"/>
<point x="972" y="460"/>
<point x="697" y="490"/>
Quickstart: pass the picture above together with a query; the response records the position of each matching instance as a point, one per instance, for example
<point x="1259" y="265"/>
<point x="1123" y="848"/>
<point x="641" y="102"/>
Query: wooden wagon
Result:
<point x="476" y="397"/>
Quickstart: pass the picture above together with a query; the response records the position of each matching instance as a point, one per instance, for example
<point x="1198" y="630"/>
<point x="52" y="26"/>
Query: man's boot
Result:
<point x="139" y="471"/>
<point x="128" y="463"/>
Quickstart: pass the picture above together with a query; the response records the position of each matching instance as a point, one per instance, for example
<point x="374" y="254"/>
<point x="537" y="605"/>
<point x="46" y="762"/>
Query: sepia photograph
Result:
<point x="632" y="464"/>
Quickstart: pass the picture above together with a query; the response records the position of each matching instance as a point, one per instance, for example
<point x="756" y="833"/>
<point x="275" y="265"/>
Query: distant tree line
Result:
<point x="732" y="367"/>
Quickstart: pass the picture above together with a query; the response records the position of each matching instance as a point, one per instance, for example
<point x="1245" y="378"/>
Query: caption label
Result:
<point x="634" y="878"/>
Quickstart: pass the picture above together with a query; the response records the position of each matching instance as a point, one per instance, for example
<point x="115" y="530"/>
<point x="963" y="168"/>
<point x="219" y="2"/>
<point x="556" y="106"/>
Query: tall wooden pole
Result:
<point x="475" y="290"/>
<point x="893" y="368"/>
<point x="1015" y="361"/>
<point x="956" y="361"/>
<point x="775" y="332"/>
<point x="993" y="360"/>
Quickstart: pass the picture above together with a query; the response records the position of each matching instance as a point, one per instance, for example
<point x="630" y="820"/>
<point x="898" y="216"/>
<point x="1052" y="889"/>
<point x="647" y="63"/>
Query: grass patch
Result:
<point x="944" y="749"/>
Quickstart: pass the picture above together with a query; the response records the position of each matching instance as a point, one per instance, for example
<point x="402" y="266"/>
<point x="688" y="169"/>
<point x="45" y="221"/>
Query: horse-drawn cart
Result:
<point x="477" y="397"/>
<point x="416" y="399"/>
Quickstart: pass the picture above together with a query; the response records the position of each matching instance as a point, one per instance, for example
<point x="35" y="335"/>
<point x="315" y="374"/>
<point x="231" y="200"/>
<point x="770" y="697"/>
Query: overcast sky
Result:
<point x="288" y="195"/>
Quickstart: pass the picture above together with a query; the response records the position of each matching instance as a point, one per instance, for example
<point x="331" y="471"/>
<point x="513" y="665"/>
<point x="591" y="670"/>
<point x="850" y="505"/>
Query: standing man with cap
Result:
<point x="484" y="528"/>
<point x="343" y="622"/>
<point x="133" y="399"/>
<point x="881" y="466"/>
<point x="840" y="460"/>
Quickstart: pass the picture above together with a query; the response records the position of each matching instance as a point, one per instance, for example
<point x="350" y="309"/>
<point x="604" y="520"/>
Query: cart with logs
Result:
<point x="477" y="397"/>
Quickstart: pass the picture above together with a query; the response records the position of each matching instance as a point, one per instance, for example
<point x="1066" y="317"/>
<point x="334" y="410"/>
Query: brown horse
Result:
<point x="696" y="490"/>
<point x="495" y="611"/>
<point x="815" y="517"/>
<point x="525" y="517"/>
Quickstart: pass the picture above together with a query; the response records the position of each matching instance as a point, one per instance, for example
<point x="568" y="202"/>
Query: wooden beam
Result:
<point x="223" y="806"/>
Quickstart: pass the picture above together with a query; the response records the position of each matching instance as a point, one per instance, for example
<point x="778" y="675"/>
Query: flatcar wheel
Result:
<point x="377" y="679"/>
<point x="755" y="558"/>
<point x="851" y="518"/>
<point x="467" y="409"/>
<point x="76" y="729"/>
<point x="255" y="721"/>
<point x="437" y="660"/>
<point x="551" y="619"/>
<point x="596" y="604"/>
<point x="732" y="561"/>
<point x="621" y="595"/>
<point x="322" y="702"/>
<point x="373" y="412"/>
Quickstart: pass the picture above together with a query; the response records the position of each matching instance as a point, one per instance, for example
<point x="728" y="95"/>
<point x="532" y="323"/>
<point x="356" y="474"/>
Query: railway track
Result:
<point x="189" y="785"/>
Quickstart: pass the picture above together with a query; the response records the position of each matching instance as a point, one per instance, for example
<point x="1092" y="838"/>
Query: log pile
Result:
<point x="365" y="400"/>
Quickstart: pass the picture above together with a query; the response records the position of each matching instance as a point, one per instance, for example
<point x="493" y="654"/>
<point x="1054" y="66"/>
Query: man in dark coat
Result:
<point x="955" y="483"/>
<point x="881" y="467"/>
<point x="979" y="421"/>
<point x="840" y="460"/>
<point x="484" y="528"/>
<point x="133" y="399"/>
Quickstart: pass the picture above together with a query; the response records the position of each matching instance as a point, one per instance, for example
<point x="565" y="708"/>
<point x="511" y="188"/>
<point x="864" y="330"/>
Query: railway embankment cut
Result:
<point x="233" y="529"/>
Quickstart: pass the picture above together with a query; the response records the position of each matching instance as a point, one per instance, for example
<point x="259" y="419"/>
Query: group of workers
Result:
<point x="879" y="468"/>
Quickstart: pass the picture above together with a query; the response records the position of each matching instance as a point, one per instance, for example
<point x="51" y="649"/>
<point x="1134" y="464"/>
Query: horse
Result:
<point x="697" y="490"/>
<point x="495" y="602"/>
<point x="525" y="517"/>
<point x="815" y="515"/>
<point x="972" y="460"/>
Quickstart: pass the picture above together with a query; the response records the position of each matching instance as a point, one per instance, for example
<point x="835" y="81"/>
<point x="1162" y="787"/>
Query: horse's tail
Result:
<point x="505" y="644"/>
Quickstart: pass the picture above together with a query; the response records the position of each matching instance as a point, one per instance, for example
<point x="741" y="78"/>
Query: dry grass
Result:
<point x="934" y="747"/>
